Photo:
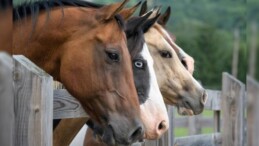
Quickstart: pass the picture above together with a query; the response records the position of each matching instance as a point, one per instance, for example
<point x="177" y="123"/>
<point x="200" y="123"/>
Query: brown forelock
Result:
<point x="68" y="52"/>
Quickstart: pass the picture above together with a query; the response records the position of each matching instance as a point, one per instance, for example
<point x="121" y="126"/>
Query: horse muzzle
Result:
<point x="191" y="105"/>
<point x="112" y="135"/>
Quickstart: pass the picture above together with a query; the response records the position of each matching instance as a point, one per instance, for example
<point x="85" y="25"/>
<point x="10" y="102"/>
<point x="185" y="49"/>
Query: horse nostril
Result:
<point x="136" y="134"/>
<point x="161" y="126"/>
<point x="204" y="97"/>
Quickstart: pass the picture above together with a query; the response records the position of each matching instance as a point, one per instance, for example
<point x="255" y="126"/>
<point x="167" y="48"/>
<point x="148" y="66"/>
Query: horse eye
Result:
<point x="113" y="56"/>
<point x="139" y="64"/>
<point x="166" y="54"/>
<point x="184" y="64"/>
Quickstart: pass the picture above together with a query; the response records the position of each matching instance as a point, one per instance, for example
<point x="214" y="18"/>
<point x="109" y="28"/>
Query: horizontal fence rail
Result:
<point x="66" y="106"/>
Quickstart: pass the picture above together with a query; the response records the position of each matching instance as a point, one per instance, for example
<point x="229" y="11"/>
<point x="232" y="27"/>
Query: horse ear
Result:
<point x="150" y="22"/>
<point x="143" y="9"/>
<point x="127" y="12"/>
<point x="156" y="11"/>
<point x="163" y="19"/>
<point x="108" y="12"/>
<point x="141" y="20"/>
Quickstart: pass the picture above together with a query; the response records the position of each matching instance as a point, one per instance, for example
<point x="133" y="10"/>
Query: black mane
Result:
<point x="33" y="8"/>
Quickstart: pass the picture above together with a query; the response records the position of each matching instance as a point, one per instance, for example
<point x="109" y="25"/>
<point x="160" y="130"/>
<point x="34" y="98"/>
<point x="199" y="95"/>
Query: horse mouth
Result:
<point x="184" y="111"/>
<point x="185" y="108"/>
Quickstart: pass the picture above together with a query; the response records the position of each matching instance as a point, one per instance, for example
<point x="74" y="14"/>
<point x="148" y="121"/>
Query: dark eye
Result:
<point x="166" y="54"/>
<point x="113" y="56"/>
<point x="184" y="64"/>
<point x="139" y="64"/>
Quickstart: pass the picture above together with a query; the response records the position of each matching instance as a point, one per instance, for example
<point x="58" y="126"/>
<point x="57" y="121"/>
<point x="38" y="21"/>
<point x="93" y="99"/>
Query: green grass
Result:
<point x="179" y="132"/>
<point x="207" y="113"/>
<point x="207" y="130"/>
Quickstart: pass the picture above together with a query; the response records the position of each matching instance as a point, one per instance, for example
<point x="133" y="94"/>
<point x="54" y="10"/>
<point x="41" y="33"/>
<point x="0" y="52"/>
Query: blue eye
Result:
<point x="139" y="64"/>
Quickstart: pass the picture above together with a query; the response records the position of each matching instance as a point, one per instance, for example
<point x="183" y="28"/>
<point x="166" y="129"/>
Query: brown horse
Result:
<point x="6" y="25"/>
<point x="153" y="111"/>
<point x="177" y="85"/>
<point x="77" y="46"/>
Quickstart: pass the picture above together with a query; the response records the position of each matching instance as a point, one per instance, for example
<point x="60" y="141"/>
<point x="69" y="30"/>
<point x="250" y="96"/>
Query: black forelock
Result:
<point x="120" y="21"/>
<point x="4" y="4"/>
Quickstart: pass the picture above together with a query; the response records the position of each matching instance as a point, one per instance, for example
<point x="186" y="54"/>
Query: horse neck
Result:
<point x="43" y="42"/>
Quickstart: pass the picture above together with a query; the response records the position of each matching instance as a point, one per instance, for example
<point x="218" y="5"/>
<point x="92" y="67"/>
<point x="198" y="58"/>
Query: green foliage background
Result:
<point x="204" y="29"/>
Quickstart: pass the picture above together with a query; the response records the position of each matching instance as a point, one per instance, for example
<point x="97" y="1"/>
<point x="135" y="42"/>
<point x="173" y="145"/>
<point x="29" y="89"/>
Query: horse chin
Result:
<point x="184" y="111"/>
<point x="108" y="136"/>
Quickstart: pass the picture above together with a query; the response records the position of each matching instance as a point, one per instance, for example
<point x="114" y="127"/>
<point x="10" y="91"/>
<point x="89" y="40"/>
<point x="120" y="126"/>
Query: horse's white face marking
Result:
<point x="154" y="105"/>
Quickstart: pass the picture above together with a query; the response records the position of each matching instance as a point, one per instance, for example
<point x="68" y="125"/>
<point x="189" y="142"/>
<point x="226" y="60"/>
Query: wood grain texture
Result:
<point x="33" y="104"/>
<point x="66" y="106"/>
<point x="233" y="95"/>
<point x="252" y="111"/>
<point x="7" y="120"/>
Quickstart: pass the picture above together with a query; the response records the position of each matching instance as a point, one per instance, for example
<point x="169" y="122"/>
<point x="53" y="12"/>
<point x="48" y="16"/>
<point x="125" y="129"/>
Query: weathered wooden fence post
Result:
<point x="168" y="138"/>
<point x="252" y="112"/>
<point x="6" y="101"/>
<point x="214" y="103"/>
<point x="33" y="104"/>
<point x="194" y="126"/>
<point x="233" y="95"/>
<point x="171" y="124"/>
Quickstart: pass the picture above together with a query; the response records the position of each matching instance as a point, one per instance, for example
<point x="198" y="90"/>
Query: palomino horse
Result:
<point x="77" y="46"/>
<point x="177" y="85"/>
<point x="153" y="110"/>
<point x="145" y="80"/>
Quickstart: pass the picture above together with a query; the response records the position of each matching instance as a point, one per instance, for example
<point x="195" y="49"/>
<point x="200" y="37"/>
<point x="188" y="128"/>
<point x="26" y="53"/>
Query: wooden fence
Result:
<point x="229" y="120"/>
<point x="30" y="105"/>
